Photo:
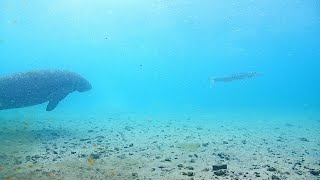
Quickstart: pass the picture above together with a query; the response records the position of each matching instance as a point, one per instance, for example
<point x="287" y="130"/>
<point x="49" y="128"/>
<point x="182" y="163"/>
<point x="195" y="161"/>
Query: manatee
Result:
<point x="30" y="88"/>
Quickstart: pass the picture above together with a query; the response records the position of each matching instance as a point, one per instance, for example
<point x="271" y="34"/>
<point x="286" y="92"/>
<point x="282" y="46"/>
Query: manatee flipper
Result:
<point x="55" y="98"/>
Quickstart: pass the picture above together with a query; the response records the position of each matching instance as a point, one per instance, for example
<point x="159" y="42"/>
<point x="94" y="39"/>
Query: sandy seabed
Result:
<point x="185" y="146"/>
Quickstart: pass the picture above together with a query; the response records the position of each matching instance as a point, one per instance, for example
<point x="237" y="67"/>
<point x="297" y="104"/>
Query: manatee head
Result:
<point x="83" y="85"/>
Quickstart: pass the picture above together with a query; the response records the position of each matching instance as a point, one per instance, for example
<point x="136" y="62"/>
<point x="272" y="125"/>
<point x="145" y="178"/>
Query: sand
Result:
<point x="179" y="146"/>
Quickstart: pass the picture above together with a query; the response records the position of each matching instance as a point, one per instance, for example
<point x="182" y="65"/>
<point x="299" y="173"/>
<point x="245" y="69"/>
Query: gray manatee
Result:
<point x="36" y="87"/>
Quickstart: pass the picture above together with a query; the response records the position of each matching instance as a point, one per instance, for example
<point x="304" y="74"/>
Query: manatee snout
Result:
<point x="83" y="85"/>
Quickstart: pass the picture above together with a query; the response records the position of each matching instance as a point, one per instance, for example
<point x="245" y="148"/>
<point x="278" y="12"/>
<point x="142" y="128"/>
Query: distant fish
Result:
<point x="232" y="77"/>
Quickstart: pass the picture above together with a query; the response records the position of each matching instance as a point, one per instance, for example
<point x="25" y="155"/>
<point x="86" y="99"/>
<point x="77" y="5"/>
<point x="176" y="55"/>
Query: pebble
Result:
<point x="271" y="169"/>
<point x="205" y="144"/>
<point x="220" y="172"/>
<point x="315" y="172"/>
<point x="180" y="165"/>
<point x="274" y="177"/>
<point x="188" y="173"/>
<point x="219" y="167"/>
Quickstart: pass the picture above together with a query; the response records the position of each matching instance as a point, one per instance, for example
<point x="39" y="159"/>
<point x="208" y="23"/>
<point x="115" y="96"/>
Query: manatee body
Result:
<point x="36" y="87"/>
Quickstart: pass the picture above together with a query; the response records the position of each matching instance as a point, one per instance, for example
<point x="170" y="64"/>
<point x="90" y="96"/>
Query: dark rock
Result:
<point x="82" y="155"/>
<point x="167" y="159"/>
<point x="180" y="165"/>
<point x="122" y="156"/>
<point x="73" y="152"/>
<point x="95" y="156"/>
<point x="274" y="177"/>
<point x="315" y="172"/>
<point x="135" y="174"/>
<point x="272" y="169"/>
<point x="304" y="139"/>
<point x="131" y="145"/>
<point x="54" y="134"/>
<point x="189" y="167"/>
<point x="188" y="173"/>
<point x="128" y="128"/>
<point x="219" y="167"/>
<point x="224" y="156"/>
<point x="289" y="125"/>
<point x="206" y="170"/>
<point x="205" y="144"/>
<point x="90" y="131"/>
<point x="192" y="161"/>
<point x="220" y="173"/>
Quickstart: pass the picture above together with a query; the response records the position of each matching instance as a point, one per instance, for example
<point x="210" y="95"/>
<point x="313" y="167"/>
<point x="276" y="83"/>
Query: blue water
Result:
<point x="156" y="57"/>
<point x="143" y="54"/>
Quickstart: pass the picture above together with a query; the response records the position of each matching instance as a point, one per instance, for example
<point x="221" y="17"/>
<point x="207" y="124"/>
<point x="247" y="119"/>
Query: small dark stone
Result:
<point x="54" y="134"/>
<point x="180" y="165"/>
<point x="192" y="161"/>
<point x="131" y="145"/>
<point x="95" y="156"/>
<point x="135" y="174"/>
<point x="122" y="156"/>
<point x="167" y="159"/>
<point x="304" y="139"/>
<point x="271" y="169"/>
<point x="188" y="173"/>
<point x="73" y="152"/>
<point x="128" y="128"/>
<point x="315" y="172"/>
<point x="82" y="156"/>
<point x="90" y="131"/>
<point x="206" y="169"/>
<point x="205" y="144"/>
<point x="189" y="167"/>
<point x="219" y="166"/>
<point x="220" y="173"/>
<point x="224" y="156"/>
<point x="274" y="177"/>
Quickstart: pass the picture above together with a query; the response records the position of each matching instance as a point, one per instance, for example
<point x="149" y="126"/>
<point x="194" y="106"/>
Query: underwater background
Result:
<point x="149" y="63"/>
